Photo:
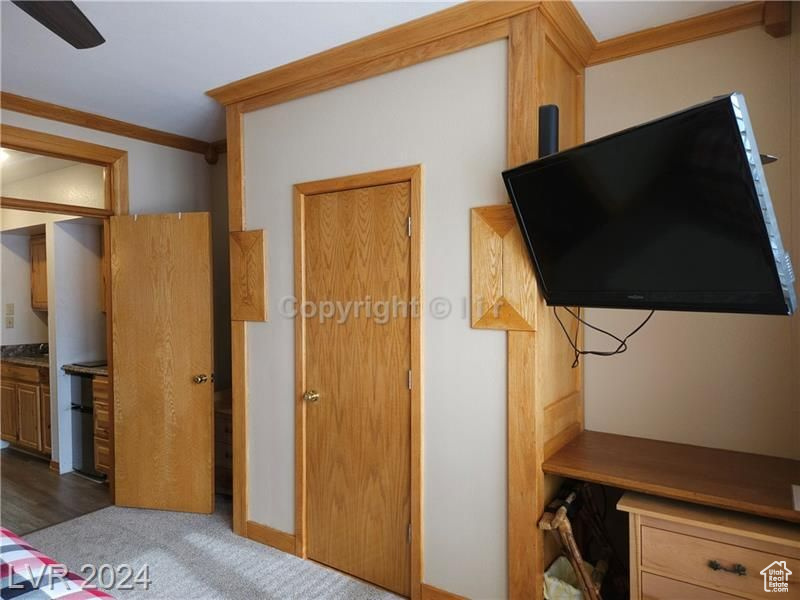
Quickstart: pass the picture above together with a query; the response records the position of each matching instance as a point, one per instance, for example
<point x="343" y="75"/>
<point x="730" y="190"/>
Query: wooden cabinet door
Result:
<point x="9" y="418"/>
<point x="38" y="273"/>
<point x="28" y="408"/>
<point x="163" y="397"/>
<point x="47" y="445"/>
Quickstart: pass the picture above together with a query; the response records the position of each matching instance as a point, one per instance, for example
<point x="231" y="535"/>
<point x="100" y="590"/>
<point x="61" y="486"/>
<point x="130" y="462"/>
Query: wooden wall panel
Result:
<point x="525" y="490"/>
<point x="503" y="282"/>
<point x="248" y="276"/>
<point x="236" y="222"/>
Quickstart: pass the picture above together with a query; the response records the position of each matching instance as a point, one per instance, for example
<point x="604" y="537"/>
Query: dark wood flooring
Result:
<point x="34" y="497"/>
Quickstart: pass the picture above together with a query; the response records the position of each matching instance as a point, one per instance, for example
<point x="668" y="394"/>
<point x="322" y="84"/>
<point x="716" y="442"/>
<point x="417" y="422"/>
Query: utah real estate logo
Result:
<point x="776" y="577"/>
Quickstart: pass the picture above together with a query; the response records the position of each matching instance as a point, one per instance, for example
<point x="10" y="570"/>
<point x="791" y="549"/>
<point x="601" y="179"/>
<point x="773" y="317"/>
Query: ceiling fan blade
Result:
<point x="64" y="19"/>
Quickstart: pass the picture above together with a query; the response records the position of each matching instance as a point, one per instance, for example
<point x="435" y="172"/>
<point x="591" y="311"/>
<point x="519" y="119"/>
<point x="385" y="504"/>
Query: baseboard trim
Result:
<point x="271" y="537"/>
<point x="54" y="466"/>
<point x="430" y="592"/>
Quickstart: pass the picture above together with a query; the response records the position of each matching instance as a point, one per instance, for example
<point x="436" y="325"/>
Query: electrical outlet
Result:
<point x="10" y="309"/>
<point x="10" y="322"/>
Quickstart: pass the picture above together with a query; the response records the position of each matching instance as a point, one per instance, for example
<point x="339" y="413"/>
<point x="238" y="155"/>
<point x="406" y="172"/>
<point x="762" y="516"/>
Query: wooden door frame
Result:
<point x="116" y="203"/>
<point x="413" y="176"/>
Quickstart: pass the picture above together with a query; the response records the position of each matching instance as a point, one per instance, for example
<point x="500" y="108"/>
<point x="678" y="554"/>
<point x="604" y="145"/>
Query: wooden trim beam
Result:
<point x="354" y="55"/>
<point x="47" y="144"/>
<point x="525" y="572"/>
<point x="236" y="222"/>
<point x="53" y="207"/>
<point x="270" y="537"/>
<point x="731" y="19"/>
<point x="564" y="17"/>
<point x="430" y="592"/>
<point x="55" y="112"/>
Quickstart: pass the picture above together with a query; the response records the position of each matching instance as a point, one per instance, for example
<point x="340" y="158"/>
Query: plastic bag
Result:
<point x="561" y="582"/>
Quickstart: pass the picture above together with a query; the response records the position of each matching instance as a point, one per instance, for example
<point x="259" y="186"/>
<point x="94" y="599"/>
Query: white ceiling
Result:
<point x="161" y="57"/>
<point x="610" y="19"/>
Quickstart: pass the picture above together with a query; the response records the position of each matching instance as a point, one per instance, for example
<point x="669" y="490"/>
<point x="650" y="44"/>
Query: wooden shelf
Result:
<point x="751" y="483"/>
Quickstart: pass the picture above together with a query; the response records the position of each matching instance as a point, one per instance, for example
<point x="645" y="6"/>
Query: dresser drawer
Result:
<point x="102" y="455"/>
<point x="102" y="419"/>
<point x="100" y="387"/>
<point x="223" y="455"/>
<point x="689" y="558"/>
<point x="663" y="588"/>
<point x="223" y="427"/>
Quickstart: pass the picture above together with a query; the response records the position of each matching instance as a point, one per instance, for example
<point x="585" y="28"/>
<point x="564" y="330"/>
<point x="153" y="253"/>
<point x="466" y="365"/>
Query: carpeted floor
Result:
<point x="193" y="556"/>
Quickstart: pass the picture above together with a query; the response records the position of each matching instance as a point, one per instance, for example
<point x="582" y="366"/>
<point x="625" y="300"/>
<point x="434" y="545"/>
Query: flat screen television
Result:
<point x="673" y="214"/>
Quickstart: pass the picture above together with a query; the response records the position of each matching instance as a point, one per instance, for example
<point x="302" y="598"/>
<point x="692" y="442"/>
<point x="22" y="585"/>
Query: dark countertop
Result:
<point x="38" y="360"/>
<point x="78" y="370"/>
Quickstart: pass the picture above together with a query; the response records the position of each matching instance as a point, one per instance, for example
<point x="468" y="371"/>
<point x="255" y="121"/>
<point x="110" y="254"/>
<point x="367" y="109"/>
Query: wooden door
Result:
<point x="47" y="434"/>
<point x="357" y="248"/>
<point x="38" y="272"/>
<point x="9" y="414"/>
<point x="28" y="408"/>
<point x="162" y="362"/>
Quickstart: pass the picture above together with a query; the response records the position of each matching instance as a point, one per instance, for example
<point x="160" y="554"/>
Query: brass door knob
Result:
<point x="202" y="378"/>
<point x="311" y="396"/>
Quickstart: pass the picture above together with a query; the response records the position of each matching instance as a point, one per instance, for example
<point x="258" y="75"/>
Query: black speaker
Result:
<point x="548" y="130"/>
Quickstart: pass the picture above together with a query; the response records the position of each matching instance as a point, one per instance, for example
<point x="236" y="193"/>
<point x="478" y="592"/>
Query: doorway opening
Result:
<point x="57" y="428"/>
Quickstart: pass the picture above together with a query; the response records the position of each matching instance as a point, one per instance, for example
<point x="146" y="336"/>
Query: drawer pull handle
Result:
<point x="736" y="569"/>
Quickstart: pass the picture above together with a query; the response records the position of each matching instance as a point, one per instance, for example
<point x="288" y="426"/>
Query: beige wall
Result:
<point x="30" y="326"/>
<point x="160" y="179"/>
<point x="727" y="381"/>
<point x="402" y="118"/>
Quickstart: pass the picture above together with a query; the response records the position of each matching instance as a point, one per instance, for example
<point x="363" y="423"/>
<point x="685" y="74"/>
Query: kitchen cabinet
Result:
<point x="103" y="458"/>
<point x="47" y="433"/>
<point x="25" y="407"/>
<point x="38" y="272"/>
<point x="29" y="409"/>
<point x="9" y="418"/>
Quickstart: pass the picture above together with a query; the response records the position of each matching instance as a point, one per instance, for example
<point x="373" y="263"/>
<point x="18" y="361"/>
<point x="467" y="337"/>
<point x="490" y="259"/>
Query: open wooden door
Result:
<point x="163" y="361"/>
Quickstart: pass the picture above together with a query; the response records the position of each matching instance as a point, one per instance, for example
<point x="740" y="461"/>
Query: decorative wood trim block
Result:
<point x="248" y="276"/>
<point x="727" y="20"/>
<point x="55" y="112"/>
<point x="271" y="537"/>
<point x="503" y="282"/>
<point x="430" y="592"/>
<point x="778" y="18"/>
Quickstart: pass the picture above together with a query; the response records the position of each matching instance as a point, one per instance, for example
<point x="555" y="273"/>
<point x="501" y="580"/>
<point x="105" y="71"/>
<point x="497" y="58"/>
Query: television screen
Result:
<point x="674" y="214"/>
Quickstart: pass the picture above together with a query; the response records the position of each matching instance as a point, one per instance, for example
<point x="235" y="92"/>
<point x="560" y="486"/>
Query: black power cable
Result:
<point x="622" y="347"/>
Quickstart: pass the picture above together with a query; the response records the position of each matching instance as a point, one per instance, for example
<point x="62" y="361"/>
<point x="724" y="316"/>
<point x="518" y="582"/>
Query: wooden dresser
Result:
<point x="681" y="551"/>
<point x="223" y="443"/>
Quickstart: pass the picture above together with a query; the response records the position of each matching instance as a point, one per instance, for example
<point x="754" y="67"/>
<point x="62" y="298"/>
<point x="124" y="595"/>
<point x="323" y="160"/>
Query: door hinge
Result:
<point x="410" y="379"/>
<point x="409" y="533"/>
<point x="409" y="226"/>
